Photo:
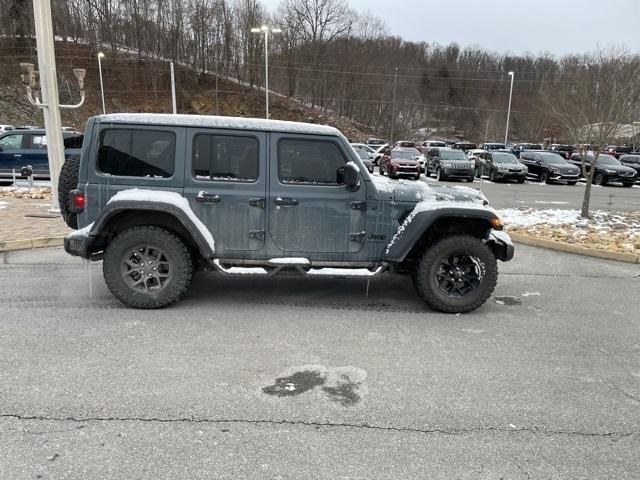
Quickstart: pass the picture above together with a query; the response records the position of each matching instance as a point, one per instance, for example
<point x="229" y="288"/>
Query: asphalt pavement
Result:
<point x="301" y="378"/>
<point x="541" y="195"/>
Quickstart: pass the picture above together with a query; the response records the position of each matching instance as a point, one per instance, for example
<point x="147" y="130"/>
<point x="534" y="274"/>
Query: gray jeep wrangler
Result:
<point x="157" y="197"/>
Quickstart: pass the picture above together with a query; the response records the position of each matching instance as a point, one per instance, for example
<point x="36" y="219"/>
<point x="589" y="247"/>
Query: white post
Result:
<point x="506" y="132"/>
<point x="173" y="90"/>
<point x="266" y="71"/>
<point x="486" y="132"/>
<point x="49" y="92"/>
<point x="100" y="55"/>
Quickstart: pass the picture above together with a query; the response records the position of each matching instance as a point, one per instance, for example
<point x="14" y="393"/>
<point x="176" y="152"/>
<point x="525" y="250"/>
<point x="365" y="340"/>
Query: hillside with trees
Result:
<point x="340" y="62"/>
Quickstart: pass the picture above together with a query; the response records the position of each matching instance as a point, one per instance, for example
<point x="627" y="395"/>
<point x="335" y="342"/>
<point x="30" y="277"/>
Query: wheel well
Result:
<point x="444" y="227"/>
<point x="124" y="220"/>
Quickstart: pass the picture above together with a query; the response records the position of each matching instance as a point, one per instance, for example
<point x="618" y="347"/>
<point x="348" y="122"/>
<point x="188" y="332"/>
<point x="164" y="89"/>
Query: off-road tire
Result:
<point x="492" y="176"/>
<point x="627" y="185"/>
<point x="439" y="175"/>
<point x="67" y="181"/>
<point x="177" y="254"/>
<point x="571" y="183"/>
<point x="425" y="274"/>
<point x="521" y="180"/>
<point x="470" y="179"/>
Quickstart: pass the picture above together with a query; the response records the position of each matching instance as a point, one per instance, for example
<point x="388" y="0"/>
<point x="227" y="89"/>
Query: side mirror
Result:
<point x="350" y="178"/>
<point x="1" y="148"/>
<point x="539" y="162"/>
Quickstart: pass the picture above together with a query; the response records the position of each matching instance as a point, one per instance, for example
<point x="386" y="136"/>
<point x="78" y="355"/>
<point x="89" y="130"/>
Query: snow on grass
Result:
<point x="3" y="205"/>
<point x="602" y="230"/>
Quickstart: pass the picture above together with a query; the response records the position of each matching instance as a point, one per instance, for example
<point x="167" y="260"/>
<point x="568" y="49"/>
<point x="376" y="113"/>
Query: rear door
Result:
<point x="225" y="183"/>
<point x="310" y="209"/>
<point x="35" y="153"/>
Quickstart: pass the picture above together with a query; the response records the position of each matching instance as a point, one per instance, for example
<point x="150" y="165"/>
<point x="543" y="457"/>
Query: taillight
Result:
<point x="77" y="201"/>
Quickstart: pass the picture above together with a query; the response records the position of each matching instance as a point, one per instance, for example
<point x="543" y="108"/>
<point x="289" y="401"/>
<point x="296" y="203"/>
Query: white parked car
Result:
<point x="365" y="148"/>
<point x="6" y="128"/>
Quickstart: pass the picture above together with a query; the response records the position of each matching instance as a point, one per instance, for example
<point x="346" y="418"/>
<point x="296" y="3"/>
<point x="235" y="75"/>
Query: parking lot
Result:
<point x="307" y="378"/>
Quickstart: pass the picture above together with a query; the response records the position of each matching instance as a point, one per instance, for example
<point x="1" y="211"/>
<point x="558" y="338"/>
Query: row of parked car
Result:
<point x="556" y="164"/>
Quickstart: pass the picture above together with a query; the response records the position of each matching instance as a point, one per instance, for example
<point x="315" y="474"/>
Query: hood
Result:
<point x="403" y="161"/>
<point x="418" y="191"/>
<point x="617" y="168"/>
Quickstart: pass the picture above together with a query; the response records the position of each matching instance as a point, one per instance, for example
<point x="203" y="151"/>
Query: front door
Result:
<point x="11" y="146"/>
<point x="310" y="208"/>
<point x="225" y="183"/>
<point x="35" y="153"/>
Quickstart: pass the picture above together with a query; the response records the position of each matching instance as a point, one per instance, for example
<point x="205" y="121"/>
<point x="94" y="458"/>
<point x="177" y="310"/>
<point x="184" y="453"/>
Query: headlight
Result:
<point x="609" y="171"/>
<point x="525" y="169"/>
<point x="503" y="169"/>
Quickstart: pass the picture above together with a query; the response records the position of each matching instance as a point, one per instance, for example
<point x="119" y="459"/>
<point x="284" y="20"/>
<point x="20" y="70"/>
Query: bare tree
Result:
<point x="591" y="97"/>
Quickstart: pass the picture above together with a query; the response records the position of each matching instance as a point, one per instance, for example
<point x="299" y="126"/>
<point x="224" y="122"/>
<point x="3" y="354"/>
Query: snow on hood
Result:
<point x="417" y="191"/>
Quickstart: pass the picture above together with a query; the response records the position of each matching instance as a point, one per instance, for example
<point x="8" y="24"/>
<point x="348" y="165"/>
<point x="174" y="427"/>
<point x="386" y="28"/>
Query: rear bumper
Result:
<point x="501" y="245"/>
<point x="78" y="245"/>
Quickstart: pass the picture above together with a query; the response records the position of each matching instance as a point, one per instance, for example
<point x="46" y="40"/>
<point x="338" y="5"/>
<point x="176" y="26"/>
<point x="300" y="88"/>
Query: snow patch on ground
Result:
<point x="618" y="232"/>
<point x="172" y="198"/>
<point x="3" y="205"/>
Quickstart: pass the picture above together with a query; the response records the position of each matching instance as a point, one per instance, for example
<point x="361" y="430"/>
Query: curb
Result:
<point x="28" y="244"/>
<point x="569" y="248"/>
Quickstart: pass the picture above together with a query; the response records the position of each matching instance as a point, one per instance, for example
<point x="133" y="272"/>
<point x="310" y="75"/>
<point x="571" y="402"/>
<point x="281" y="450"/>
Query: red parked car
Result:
<point x="400" y="162"/>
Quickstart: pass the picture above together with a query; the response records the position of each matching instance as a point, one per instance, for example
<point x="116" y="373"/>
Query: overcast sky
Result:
<point x="517" y="26"/>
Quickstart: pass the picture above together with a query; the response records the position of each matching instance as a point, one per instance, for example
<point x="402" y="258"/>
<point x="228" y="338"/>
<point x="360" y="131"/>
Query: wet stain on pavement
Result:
<point x="344" y="393"/>
<point x="295" y="384"/>
<point x="342" y="385"/>
<point x="510" y="301"/>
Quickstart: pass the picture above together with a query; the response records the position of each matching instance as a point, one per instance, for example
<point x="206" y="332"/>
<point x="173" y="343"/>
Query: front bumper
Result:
<point x="615" y="177"/>
<point x="510" y="175"/>
<point x="459" y="172"/>
<point x="500" y="244"/>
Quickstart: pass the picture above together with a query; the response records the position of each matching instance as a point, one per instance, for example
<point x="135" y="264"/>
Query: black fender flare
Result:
<point x="414" y="227"/>
<point x="113" y="208"/>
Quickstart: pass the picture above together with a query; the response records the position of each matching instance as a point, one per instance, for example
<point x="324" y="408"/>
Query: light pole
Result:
<point x="266" y="30"/>
<point x="393" y="108"/>
<point x="100" y="57"/>
<point x="506" y="132"/>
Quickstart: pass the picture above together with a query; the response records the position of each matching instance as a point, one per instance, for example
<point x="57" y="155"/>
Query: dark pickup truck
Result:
<point x="20" y="148"/>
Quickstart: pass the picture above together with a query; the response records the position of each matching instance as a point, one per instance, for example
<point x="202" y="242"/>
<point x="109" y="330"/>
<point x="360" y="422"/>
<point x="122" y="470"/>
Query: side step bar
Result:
<point x="302" y="268"/>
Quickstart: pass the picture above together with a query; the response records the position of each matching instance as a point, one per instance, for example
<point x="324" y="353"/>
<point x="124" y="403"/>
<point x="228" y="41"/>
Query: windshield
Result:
<point x="532" y="146"/>
<point x="453" y="155"/>
<point x="606" y="160"/>
<point x="504" y="157"/>
<point x="362" y="154"/>
<point x="437" y="144"/>
<point x="631" y="159"/>
<point x="553" y="159"/>
<point x="494" y="146"/>
<point x="403" y="155"/>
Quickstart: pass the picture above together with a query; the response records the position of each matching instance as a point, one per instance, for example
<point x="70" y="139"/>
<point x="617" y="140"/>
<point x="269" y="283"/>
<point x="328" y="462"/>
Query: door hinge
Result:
<point x="356" y="237"/>
<point x="359" y="206"/>
<point x="257" y="234"/>
<point x="257" y="202"/>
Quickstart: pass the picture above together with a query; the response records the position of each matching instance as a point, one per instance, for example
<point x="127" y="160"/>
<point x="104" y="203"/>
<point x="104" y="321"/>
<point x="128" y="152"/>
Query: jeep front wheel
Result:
<point x="147" y="267"/>
<point x="457" y="274"/>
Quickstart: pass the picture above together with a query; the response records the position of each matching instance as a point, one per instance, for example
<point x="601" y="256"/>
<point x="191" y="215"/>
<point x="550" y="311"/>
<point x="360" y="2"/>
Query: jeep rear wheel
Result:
<point x="147" y="267"/>
<point x="457" y="274"/>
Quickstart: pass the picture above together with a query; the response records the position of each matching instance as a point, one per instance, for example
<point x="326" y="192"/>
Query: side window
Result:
<point x="310" y="161"/>
<point x="11" y="142"/>
<point x="39" y="142"/>
<point x="137" y="153"/>
<point x="225" y="158"/>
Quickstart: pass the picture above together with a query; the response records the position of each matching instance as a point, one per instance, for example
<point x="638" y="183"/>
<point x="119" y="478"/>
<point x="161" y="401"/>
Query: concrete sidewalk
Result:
<point x="22" y="218"/>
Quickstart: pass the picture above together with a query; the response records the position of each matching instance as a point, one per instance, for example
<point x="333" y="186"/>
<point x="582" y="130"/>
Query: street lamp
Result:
<point x="506" y="132"/>
<point x="100" y="57"/>
<point x="266" y="30"/>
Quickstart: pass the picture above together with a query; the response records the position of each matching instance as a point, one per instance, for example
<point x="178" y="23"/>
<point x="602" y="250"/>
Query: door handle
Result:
<point x="17" y="155"/>
<point x="283" y="202"/>
<point x="207" y="197"/>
